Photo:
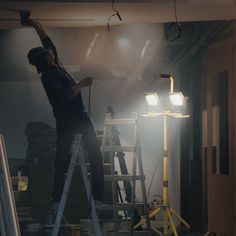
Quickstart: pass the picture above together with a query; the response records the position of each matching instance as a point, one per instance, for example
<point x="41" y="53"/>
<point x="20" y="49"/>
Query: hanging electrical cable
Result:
<point x="115" y="13"/>
<point x="174" y="29"/>
<point x="153" y="175"/>
<point x="154" y="172"/>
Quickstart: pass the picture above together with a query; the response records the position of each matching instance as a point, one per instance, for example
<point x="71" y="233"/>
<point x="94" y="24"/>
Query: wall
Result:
<point x="218" y="140"/>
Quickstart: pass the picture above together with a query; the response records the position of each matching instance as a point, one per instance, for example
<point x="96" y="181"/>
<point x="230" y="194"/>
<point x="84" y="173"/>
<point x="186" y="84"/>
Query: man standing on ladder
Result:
<point x="64" y="95"/>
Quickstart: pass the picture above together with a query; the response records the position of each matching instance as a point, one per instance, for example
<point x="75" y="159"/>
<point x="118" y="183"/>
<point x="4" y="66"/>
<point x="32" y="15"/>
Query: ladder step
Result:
<point x="142" y="233"/>
<point x="123" y="177"/>
<point x="24" y="215"/>
<point x="120" y="206"/>
<point x="119" y="148"/>
<point x="127" y="232"/>
<point x="120" y="121"/>
<point x="135" y="232"/>
<point x="25" y="220"/>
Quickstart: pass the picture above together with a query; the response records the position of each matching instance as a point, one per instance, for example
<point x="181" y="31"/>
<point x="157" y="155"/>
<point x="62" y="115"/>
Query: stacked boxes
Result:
<point x="40" y="160"/>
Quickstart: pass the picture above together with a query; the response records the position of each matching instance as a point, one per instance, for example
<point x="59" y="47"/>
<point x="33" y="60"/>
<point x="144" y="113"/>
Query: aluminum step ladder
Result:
<point x="78" y="154"/>
<point x="9" y="224"/>
<point x="108" y="147"/>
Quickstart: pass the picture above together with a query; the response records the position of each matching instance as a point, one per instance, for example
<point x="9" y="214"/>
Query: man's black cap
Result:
<point x="35" y="54"/>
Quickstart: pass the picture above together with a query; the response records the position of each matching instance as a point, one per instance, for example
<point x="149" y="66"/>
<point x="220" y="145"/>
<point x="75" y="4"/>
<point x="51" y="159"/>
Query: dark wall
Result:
<point x="191" y="159"/>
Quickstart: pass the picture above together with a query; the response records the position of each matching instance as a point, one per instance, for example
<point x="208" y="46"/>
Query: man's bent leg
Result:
<point x="63" y="154"/>
<point x="61" y="167"/>
<point x="92" y="147"/>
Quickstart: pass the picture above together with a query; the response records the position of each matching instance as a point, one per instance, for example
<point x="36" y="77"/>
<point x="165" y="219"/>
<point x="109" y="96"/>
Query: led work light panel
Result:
<point x="152" y="99"/>
<point x="177" y="99"/>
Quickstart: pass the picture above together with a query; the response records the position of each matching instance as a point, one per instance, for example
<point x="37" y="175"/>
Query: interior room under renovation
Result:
<point x="117" y="117"/>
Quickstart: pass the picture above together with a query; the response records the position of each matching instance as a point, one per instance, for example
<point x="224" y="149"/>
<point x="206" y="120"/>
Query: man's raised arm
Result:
<point x="45" y="39"/>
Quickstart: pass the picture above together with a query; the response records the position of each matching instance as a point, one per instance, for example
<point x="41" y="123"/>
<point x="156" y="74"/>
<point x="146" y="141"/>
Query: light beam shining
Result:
<point x="123" y="43"/>
<point x="145" y="48"/>
<point x="91" y="46"/>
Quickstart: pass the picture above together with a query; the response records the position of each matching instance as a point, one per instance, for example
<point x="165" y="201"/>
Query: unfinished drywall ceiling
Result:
<point x="96" y="13"/>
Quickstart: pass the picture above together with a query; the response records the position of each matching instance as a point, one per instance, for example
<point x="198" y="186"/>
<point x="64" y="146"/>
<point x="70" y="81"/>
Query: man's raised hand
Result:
<point x="87" y="81"/>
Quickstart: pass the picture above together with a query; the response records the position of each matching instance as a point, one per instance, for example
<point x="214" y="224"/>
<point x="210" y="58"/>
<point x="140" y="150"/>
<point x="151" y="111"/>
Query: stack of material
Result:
<point x="40" y="159"/>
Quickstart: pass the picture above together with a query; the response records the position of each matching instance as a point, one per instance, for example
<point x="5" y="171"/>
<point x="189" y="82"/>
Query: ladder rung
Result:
<point x="123" y="232"/>
<point x="23" y="215"/>
<point x="122" y="177"/>
<point x="121" y="206"/>
<point x="118" y="148"/>
<point x="127" y="232"/>
<point x="25" y="220"/>
<point x="120" y="121"/>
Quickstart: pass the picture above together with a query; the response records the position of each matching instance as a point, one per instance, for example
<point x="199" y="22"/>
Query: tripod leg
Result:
<point x="180" y="218"/>
<point x="157" y="231"/>
<point x="165" y="223"/>
<point x="170" y="230"/>
<point x="172" y="225"/>
<point x="151" y="214"/>
<point x="207" y="233"/>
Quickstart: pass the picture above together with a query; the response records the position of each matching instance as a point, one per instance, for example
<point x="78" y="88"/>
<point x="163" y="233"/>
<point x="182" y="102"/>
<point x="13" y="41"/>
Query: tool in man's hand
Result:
<point x="24" y="17"/>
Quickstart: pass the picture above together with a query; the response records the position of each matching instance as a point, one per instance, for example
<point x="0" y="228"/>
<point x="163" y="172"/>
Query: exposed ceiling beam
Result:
<point x="97" y="13"/>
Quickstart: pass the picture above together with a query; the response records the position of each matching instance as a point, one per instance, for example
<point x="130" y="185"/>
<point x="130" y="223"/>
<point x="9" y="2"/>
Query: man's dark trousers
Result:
<point x="65" y="136"/>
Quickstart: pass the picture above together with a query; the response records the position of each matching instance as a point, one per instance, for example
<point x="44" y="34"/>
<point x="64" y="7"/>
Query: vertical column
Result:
<point x="165" y="176"/>
<point x="141" y="173"/>
<point x="134" y="168"/>
<point x="109" y="138"/>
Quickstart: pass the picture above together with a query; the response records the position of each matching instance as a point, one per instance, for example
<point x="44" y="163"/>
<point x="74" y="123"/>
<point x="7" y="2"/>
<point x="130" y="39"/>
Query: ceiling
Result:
<point x="96" y="13"/>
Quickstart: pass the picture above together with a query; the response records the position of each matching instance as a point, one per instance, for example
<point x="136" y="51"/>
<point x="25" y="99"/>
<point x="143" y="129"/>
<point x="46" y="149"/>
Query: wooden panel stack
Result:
<point x="40" y="160"/>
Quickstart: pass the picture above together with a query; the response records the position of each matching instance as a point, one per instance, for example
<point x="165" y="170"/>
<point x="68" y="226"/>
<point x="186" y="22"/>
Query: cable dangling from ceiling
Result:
<point x="115" y="13"/>
<point x="174" y="30"/>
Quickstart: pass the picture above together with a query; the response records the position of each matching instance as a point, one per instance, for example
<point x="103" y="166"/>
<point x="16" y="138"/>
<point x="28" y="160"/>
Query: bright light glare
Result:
<point x="152" y="99"/>
<point x="145" y="48"/>
<point x="123" y="43"/>
<point x="91" y="46"/>
<point x="177" y="99"/>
